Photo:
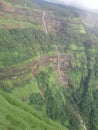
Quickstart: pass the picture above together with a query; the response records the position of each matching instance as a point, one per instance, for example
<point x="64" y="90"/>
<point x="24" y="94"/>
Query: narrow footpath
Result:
<point x="44" y="22"/>
<point x="59" y="65"/>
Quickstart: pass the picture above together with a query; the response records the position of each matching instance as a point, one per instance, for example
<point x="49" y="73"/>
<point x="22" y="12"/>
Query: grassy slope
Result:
<point x="15" y="115"/>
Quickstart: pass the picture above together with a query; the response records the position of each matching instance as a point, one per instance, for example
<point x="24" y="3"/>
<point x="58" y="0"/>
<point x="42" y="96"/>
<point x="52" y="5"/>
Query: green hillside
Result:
<point x="16" y="115"/>
<point x="48" y="67"/>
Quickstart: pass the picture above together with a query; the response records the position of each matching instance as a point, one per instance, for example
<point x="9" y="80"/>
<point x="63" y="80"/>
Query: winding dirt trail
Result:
<point x="58" y="64"/>
<point x="44" y="22"/>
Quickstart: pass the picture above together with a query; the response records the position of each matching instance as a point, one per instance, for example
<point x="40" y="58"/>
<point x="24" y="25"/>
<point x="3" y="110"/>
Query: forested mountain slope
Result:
<point x="49" y="61"/>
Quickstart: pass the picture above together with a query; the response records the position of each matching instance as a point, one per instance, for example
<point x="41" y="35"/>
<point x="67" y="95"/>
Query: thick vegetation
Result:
<point x="56" y="74"/>
<point x="18" y="116"/>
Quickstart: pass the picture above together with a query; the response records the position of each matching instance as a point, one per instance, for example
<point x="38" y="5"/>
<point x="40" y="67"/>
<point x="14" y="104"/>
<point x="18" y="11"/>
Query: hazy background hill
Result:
<point x="48" y="63"/>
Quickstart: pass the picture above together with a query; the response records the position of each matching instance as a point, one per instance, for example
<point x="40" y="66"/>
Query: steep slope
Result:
<point x="18" y="116"/>
<point x="55" y="73"/>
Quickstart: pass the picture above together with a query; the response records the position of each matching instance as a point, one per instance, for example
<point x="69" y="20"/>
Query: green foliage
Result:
<point x="18" y="46"/>
<point x="83" y="83"/>
<point x="36" y="98"/>
<point x="18" y="116"/>
<point x="20" y="54"/>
